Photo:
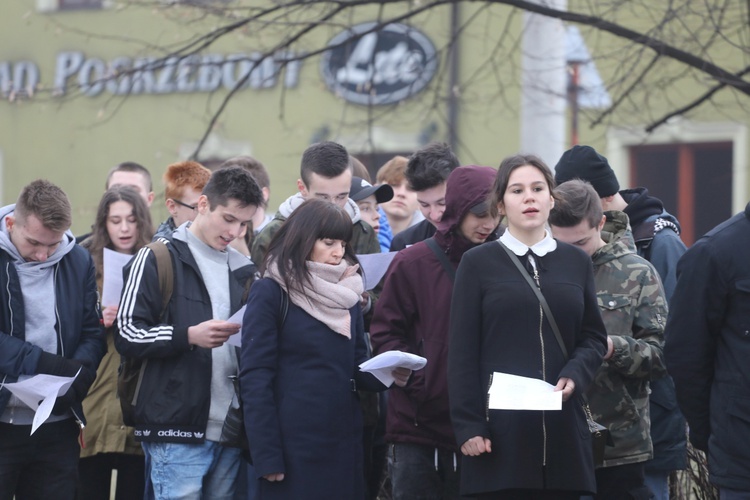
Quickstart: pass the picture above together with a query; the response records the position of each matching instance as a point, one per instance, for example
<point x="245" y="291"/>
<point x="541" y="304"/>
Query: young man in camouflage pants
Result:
<point x="633" y="306"/>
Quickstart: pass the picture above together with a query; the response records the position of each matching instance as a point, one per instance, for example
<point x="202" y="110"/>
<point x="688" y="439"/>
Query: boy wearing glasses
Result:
<point x="183" y="184"/>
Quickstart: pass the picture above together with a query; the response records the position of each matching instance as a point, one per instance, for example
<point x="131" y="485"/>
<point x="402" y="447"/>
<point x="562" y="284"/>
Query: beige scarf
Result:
<point x="330" y="295"/>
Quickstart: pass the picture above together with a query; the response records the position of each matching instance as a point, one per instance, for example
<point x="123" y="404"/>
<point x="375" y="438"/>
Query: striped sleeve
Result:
<point x="141" y="333"/>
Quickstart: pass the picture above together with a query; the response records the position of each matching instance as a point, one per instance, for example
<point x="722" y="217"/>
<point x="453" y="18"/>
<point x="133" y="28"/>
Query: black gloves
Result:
<point x="63" y="367"/>
<point x="57" y="365"/>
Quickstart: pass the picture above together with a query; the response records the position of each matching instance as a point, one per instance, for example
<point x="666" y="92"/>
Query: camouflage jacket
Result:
<point x="633" y="306"/>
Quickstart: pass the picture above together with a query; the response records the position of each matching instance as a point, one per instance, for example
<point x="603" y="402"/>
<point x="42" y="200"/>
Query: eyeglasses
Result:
<point x="191" y="207"/>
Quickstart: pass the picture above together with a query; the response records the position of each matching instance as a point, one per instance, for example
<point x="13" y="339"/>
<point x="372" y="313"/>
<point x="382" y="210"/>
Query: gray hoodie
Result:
<point x="294" y="201"/>
<point x="37" y="282"/>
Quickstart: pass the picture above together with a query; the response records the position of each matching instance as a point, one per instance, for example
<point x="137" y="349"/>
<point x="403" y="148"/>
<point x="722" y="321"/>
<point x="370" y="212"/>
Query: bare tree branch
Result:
<point x="689" y="107"/>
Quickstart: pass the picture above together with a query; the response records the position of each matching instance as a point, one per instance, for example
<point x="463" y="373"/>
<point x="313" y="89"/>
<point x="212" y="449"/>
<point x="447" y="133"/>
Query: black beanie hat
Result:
<point x="583" y="162"/>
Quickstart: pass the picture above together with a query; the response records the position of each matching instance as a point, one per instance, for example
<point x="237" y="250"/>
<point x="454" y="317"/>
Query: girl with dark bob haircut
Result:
<point x="302" y="344"/>
<point x="293" y="244"/>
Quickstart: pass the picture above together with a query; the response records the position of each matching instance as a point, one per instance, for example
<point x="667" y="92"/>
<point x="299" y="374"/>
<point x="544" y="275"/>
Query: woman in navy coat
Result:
<point x="302" y="342"/>
<point x="498" y="325"/>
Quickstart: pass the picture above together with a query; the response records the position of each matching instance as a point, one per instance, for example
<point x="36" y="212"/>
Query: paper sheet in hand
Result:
<point x="39" y="393"/>
<point x="511" y="392"/>
<point x="236" y="339"/>
<point x="374" y="265"/>
<point x="383" y="364"/>
<point x="113" y="263"/>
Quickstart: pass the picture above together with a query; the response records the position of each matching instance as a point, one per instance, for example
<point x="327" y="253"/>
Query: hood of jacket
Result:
<point x="642" y="206"/>
<point x="290" y="205"/>
<point x="6" y="244"/>
<point x="466" y="187"/>
<point x="617" y="236"/>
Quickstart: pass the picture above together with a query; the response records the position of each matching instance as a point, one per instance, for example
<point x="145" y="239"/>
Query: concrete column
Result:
<point x="544" y="85"/>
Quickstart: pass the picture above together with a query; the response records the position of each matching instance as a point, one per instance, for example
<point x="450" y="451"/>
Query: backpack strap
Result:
<point x="432" y="244"/>
<point x="164" y="270"/>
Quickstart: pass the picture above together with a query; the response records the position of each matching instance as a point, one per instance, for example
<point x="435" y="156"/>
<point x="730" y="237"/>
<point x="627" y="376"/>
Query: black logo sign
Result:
<point x="379" y="67"/>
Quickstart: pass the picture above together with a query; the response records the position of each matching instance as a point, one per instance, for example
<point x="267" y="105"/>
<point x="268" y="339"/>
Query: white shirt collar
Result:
<point x="540" y="249"/>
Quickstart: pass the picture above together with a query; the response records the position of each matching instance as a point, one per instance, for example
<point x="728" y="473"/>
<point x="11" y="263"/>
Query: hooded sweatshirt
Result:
<point x="656" y="233"/>
<point x="38" y="288"/>
<point x="412" y="315"/>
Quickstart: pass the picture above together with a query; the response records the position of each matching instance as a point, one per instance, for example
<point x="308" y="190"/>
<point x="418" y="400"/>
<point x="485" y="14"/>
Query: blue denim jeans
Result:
<point x="193" y="471"/>
<point x="418" y="474"/>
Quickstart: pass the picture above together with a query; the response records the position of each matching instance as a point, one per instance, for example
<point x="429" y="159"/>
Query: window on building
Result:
<point x="71" y="5"/>
<point x="79" y="4"/>
<point x="694" y="180"/>
<point x="373" y="161"/>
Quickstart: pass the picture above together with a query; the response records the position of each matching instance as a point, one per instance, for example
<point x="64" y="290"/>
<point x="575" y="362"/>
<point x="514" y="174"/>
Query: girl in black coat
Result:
<point x="497" y="325"/>
<point x="299" y="367"/>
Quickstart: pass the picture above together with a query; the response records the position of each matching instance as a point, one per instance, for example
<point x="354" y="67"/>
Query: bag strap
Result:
<point x="432" y="244"/>
<point x="283" y="308"/>
<point x="540" y="296"/>
<point x="165" y="271"/>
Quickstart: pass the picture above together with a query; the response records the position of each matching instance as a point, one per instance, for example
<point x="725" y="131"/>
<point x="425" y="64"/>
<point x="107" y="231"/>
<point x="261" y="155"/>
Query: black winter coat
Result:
<point x="495" y="320"/>
<point x="708" y="347"/>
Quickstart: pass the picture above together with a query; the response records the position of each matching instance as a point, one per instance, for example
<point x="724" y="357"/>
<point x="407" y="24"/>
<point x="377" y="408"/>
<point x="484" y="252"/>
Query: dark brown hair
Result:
<point x="327" y="159"/>
<point x="292" y="245"/>
<point x="576" y="201"/>
<point x="100" y="239"/>
<point x="502" y="179"/>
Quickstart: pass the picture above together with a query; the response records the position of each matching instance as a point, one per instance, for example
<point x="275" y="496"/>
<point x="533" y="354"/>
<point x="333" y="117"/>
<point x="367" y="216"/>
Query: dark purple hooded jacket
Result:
<point x="412" y="315"/>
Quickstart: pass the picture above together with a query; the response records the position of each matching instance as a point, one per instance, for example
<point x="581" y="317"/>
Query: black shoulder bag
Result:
<point x="599" y="433"/>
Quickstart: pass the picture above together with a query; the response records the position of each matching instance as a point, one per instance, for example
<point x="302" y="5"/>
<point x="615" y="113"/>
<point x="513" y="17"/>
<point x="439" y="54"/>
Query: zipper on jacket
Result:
<point x="7" y="289"/>
<point x="10" y="309"/>
<point x="81" y="425"/>
<point x="544" y="369"/>
<point x="57" y="314"/>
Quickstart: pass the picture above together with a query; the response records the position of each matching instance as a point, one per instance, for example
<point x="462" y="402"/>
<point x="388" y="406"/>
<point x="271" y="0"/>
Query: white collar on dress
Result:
<point x="540" y="249"/>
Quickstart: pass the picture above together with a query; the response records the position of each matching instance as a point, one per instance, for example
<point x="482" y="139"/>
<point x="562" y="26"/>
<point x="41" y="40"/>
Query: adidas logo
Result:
<point x="146" y="433"/>
<point x="174" y="433"/>
<point x="199" y="435"/>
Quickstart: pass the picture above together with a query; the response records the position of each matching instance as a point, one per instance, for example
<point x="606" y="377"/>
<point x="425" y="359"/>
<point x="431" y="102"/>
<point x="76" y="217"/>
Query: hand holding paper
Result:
<point x="512" y="392"/>
<point x="39" y="393"/>
<point x="236" y="339"/>
<point x="383" y="365"/>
